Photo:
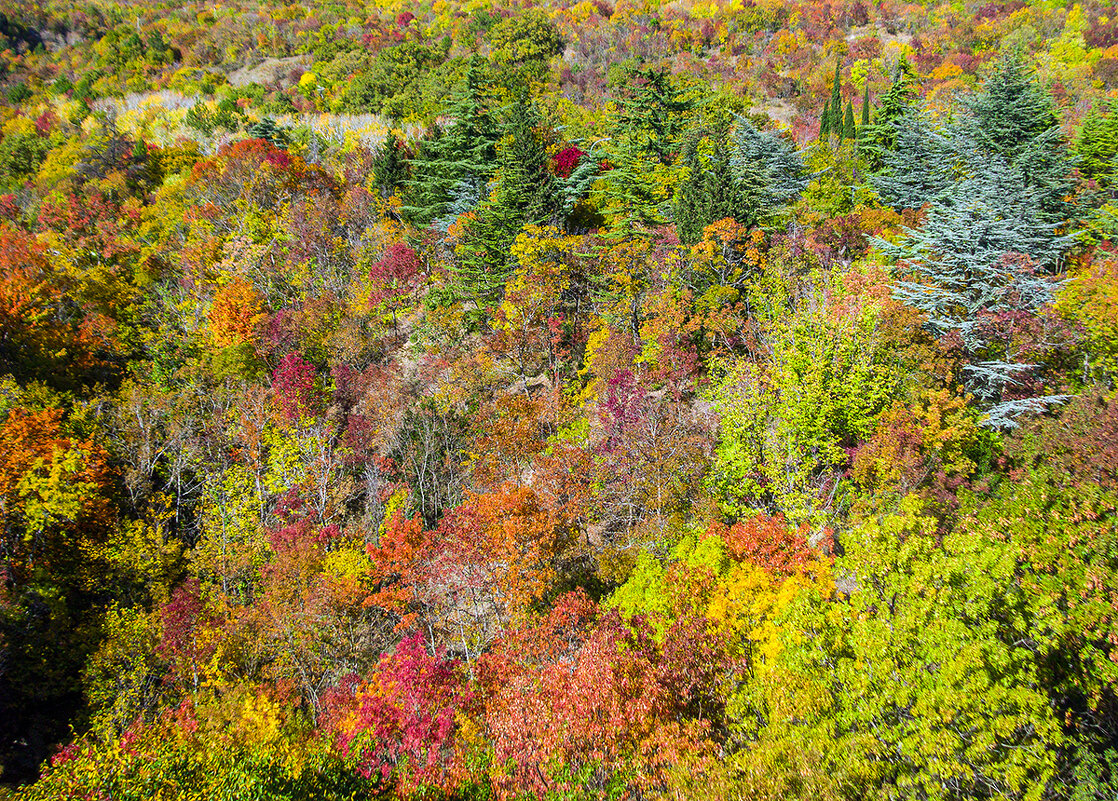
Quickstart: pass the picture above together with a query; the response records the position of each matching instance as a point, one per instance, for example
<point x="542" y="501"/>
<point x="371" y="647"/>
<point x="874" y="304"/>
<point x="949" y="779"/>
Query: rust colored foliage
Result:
<point x="401" y="566"/>
<point x="502" y="548"/>
<point x="595" y="698"/>
<point x="253" y="173"/>
<point x="396" y="275"/>
<point x="183" y="643"/>
<point x="770" y="543"/>
<point x="236" y="312"/>
<point x="296" y="386"/>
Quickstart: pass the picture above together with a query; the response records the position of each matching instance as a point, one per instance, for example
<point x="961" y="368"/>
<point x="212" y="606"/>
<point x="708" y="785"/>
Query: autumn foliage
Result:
<point x="702" y="400"/>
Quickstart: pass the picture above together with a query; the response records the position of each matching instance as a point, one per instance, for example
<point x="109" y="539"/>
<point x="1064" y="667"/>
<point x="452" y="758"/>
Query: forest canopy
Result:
<point x="709" y="399"/>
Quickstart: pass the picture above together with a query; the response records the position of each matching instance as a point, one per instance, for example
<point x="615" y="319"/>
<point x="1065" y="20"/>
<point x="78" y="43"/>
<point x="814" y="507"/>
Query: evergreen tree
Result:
<point x="654" y="113"/>
<point x="267" y="130"/>
<point x="781" y="168"/>
<point x="692" y="204"/>
<point x="525" y="194"/>
<point x="630" y="201"/>
<point x="463" y="154"/>
<point x="920" y="168"/>
<point x="712" y="190"/>
<point x="1011" y="110"/>
<point x="834" y="125"/>
<point x="880" y="136"/>
<point x="749" y="180"/>
<point x="390" y="166"/>
<point x="1097" y="147"/>
<point x="848" y="130"/>
<point x="1013" y="117"/>
<point x="825" y="120"/>
<point x="959" y="272"/>
<point x="866" y="105"/>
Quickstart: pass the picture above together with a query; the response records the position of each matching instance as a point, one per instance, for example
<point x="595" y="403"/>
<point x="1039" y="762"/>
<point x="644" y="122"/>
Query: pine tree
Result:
<point x="1011" y="110"/>
<point x="711" y="191"/>
<point x="654" y="114"/>
<point x="848" y="130"/>
<point x="920" y="168"/>
<point x="880" y="136"/>
<point x="691" y="208"/>
<point x="959" y="272"/>
<point x="825" y="120"/>
<point x="1097" y="147"/>
<point x="866" y="105"/>
<point x="834" y="126"/>
<point x="267" y="130"/>
<point x="526" y="193"/>
<point x="390" y="166"/>
<point x="463" y="153"/>
<point x="783" y="172"/>
<point x="1013" y="117"/>
<point x="629" y="199"/>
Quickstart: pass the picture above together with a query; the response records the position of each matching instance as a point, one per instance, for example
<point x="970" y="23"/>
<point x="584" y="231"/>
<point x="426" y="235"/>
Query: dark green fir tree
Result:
<point x="390" y="166"/>
<point x="525" y="194"/>
<point x="453" y="163"/>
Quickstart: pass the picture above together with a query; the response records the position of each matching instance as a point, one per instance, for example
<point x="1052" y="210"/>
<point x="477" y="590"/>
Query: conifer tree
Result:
<point x="654" y="113"/>
<point x="525" y="194"/>
<point x="866" y="105"/>
<point x="1011" y="110"/>
<point x="880" y="136"/>
<point x="693" y="198"/>
<point x="390" y="166"/>
<point x="749" y="180"/>
<point x="920" y="168"/>
<point x="1097" y="147"/>
<point x="267" y="130"/>
<point x="959" y="271"/>
<point x="848" y="130"/>
<point x="825" y="120"/>
<point x="835" y="123"/>
<point x="711" y="190"/>
<point x="460" y="156"/>
<point x="1013" y="117"/>
<point x="629" y="198"/>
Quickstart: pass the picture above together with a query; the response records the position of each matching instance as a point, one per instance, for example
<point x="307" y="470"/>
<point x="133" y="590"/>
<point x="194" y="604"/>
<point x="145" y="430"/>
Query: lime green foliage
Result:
<point x="242" y="746"/>
<point x="785" y="420"/>
<point x="123" y="677"/>
<point x="931" y="676"/>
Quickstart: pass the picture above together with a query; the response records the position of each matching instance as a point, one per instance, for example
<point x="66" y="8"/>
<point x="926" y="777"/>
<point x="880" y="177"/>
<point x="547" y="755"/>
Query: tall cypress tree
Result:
<point x="848" y="130"/>
<point x="691" y="206"/>
<point x="825" y="120"/>
<point x="835" y="126"/>
<point x="866" y="105"/>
